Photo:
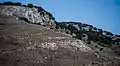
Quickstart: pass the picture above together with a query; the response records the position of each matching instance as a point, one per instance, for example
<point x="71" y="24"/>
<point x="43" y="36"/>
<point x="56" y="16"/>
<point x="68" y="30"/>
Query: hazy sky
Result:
<point x="104" y="14"/>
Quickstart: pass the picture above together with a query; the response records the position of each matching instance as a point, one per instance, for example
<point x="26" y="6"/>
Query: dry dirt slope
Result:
<point x="24" y="44"/>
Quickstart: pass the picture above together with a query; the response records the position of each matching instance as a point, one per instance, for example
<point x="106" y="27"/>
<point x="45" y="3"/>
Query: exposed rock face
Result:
<point x="31" y="14"/>
<point x="76" y="26"/>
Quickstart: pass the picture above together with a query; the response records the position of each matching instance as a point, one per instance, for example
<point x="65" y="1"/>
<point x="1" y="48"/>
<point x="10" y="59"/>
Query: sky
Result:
<point x="103" y="14"/>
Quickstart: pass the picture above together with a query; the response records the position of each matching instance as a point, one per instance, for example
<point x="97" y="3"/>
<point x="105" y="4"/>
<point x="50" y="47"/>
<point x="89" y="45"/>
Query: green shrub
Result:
<point x="40" y="9"/>
<point x="52" y="18"/>
<point x="8" y="3"/>
<point x="12" y="3"/>
<point x="30" y="5"/>
<point x="42" y="13"/>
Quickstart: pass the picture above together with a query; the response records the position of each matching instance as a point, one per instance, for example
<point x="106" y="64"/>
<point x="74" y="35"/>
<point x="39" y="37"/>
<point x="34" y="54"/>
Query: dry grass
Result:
<point x="19" y="46"/>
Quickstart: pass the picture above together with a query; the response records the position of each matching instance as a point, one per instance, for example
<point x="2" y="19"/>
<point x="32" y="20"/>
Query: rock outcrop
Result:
<point x="32" y="15"/>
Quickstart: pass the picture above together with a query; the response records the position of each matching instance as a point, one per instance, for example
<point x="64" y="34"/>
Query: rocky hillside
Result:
<point x="24" y="44"/>
<point x="90" y="33"/>
<point x="77" y="29"/>
<point x="30" y="13"/>
<point x="27" y="40"/>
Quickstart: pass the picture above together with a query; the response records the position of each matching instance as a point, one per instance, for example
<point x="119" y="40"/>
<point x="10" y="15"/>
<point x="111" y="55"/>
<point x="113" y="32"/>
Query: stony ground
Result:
<point x="24" y="44"/>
